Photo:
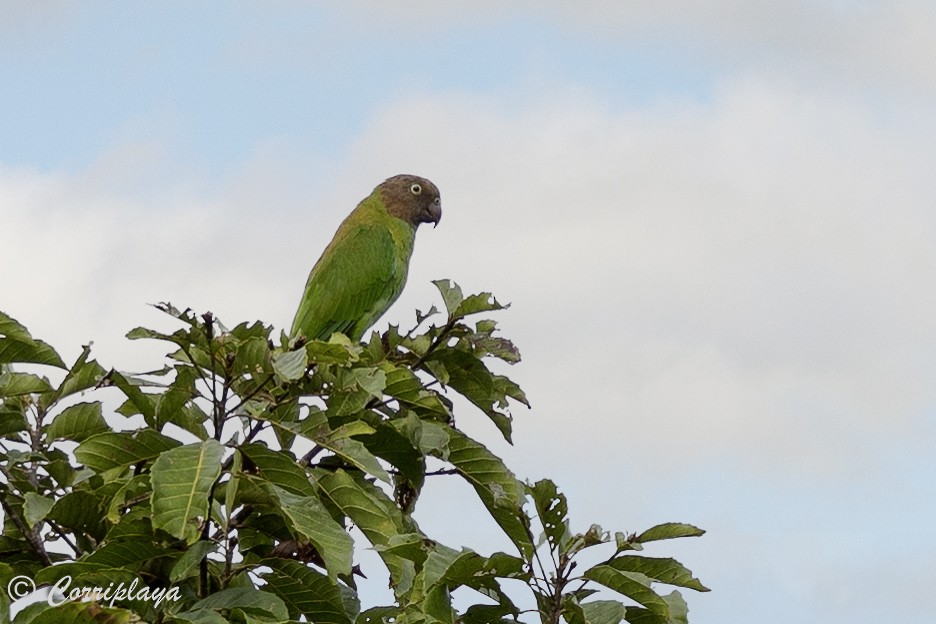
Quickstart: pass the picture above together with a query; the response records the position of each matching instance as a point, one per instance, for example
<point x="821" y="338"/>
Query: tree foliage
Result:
<point x="257" y="455"/>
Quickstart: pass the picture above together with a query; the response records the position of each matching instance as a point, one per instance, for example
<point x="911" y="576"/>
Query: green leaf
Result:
<point x="497" y="487"/>
<point x="481" y="302"/>
<point x="552" y="509"/>
<point x="374" y="513"/>
<point x="398" y="450"/>
<point x="18" y="384"/>
<point x="436" y="606"/>
<point x="12" y="330"/>
<point x="572" y="611"/>
<point x="678" y="609"/>
<point x="308" y="593"/>
<point x="168" y="406"/>
<point x="249" y="599"/>
<point x="16" y="345"/>
<point x="369" y="508"/>
<point x="253" y="357"/>
<point x="291" y="365"/>
<point x="309" y="519"/>
<point x="354" y="388"/>
<point x="82" y="375"/>
<point x="35" y="508"/>
<point x="187" y="565"/>
<point x="126" y="554"/>
<point x="451" y="295"/>
<point x="337" y="350"/>
<point x="379" y="615"/>
<point x="370" y="379"/>
<point x="144" y="404"/>
<point x="339" y="441"/>
<point x="603" y="612"/>
<point x="137" y="486"/>
<point x="664" y="570"/>
<point x="500" y="348"/>
<point x="79" y="613"/>
<point x="199" y="616"/>
<point x="404" y="386"/>
<point x="12" y="418"/>
<point x="105" y="451"/>
<point x="182" y="478"/>
<point x="78" y="510"/>
<point x="279" y="468"/>
<point x="669" y="530"/>
<point x="134" y="525"/>
<point x="231" y="486"/>
<point x="78" y="423"/>
<point x="471" y="378"/>
<point x="453" y="569"/>
<point x="634" y="585"/>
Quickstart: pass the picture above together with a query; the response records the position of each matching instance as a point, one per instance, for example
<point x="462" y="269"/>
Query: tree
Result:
<point x="260" y="452"/>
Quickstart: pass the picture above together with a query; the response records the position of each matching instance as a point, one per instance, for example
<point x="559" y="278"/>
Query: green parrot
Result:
<point x="363" y="269"/>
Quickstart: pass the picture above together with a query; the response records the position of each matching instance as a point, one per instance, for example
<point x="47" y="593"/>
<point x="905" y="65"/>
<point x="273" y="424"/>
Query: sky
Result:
<point x="714" y="223"/>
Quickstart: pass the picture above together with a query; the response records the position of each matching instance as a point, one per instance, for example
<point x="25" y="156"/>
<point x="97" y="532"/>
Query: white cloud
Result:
<point x="750" y="278"/>
<point x="827" y="44"/>
<point x="745" y="283"/>
<point x="736" y="279"/>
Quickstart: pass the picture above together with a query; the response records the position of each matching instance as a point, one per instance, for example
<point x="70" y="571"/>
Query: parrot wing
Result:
<point x="352" y="285"/>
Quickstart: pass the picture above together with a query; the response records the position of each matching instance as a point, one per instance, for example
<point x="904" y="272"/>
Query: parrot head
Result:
<point x="411" y="198"/>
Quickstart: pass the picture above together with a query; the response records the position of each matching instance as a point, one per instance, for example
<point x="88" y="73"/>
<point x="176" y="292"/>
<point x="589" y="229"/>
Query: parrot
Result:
<point x="363" y="269"/>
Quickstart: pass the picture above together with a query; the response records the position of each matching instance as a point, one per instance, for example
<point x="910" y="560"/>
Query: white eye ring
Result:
<point x="415" y="189"/>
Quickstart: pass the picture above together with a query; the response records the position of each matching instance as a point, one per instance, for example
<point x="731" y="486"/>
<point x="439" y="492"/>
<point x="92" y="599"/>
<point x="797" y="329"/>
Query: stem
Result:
<point x="197" y="368"/>
<point x="308" y="457"/>
<point x="205" y="536"/>
<point x="445" y="471"/>
<point x="416" y="326"/>
<point x="64" y="536"/>
<point x="375" y="404"/>
<point x="257" y="428"/>
<point x="217" y="407"/>
<point x="446" y="329"/>
<point x="31" y="536"/>
<point x="251" y="394"/>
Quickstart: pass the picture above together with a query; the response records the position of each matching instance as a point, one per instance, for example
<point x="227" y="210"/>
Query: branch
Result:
<point x="64" y="536"/>
<point x="446" y="329"/>
<point x="308" y="457"/>
<point x="251" y="394"/>
<point x="28" y="534"/>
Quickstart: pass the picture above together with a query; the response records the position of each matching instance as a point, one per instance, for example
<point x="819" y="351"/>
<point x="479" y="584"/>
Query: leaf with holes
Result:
<point x="552" y="508"/>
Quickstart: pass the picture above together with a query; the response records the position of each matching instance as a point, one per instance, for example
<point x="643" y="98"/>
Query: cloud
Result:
<point x="747" y="278"/>
<point x="706" y="293"/>
<point x="86" y="252"/>
<point x="872" y="43"/>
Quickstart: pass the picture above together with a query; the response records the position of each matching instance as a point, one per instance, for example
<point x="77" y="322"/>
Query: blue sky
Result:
<point x="228" y="76"/>
<point x="714" y="222"/>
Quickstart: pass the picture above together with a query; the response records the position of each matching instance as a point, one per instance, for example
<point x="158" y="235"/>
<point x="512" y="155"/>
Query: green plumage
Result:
<point x="363" y="270"/>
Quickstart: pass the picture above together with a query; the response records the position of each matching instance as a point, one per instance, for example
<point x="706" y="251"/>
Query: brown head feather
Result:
<point x="411" y="198"/>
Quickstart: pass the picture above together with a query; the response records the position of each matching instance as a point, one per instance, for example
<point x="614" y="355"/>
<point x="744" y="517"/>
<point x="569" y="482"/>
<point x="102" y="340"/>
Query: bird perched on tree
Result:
<point x="363" y="269"/>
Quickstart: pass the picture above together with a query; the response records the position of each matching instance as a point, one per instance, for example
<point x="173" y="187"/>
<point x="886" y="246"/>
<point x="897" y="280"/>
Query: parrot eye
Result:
<point x="415" y="189"/>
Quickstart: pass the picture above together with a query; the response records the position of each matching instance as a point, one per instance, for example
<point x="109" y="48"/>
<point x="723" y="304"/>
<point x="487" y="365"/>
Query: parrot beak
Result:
<point x="434" y="213"/>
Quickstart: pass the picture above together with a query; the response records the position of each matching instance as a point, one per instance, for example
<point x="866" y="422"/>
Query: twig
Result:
<point x="308" y="457"/>
<point x="251" y="394"/>
<point x="435" y="343"/>
<point x="28" y="534"/>
<point x="62" y="534"/>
